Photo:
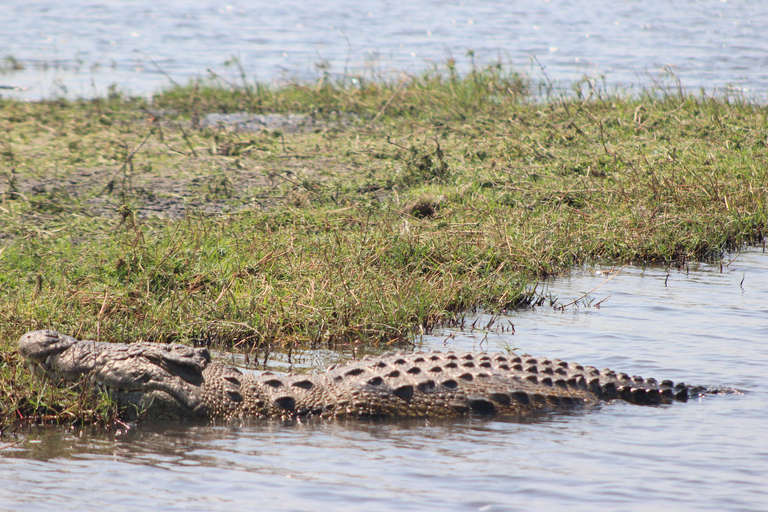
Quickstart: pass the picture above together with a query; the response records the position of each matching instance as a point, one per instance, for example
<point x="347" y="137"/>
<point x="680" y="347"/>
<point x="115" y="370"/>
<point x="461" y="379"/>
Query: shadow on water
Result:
<point x="159" y="443"/>
<point x="702" y="325"/>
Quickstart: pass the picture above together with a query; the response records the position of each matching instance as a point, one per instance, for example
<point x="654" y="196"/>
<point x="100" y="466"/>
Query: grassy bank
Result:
<point x="385" y="211"/>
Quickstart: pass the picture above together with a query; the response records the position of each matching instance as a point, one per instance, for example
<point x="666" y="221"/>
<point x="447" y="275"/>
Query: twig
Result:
<point x="402" y="82"/>
<point x="551" y="86"/>
<point x="161" y="70"/>
<point x="574" y="301"/>
<point x="101" y="312"/>
<point x="396" y="144"/>
<point x="189" y="143"/>
<point x="110" y="183"/>
<point x="349" y="52"/>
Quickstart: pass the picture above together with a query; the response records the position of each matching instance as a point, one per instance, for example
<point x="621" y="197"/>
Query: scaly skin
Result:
<point x="176" y="382"/>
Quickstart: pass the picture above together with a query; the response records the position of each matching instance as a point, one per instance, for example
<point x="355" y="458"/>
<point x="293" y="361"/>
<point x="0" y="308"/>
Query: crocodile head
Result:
<point x="162" y="379"/>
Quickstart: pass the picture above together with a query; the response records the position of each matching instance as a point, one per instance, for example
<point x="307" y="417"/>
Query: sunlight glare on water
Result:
<point x="79" y="48"/>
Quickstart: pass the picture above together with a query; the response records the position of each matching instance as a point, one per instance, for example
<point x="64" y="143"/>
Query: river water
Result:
<point x="80" y="47"/>
<point x="705" y="324"/>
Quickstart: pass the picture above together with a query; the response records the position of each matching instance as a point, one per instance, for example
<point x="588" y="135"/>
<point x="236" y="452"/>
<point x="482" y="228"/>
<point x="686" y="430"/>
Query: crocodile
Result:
<point x="173" y="381"/>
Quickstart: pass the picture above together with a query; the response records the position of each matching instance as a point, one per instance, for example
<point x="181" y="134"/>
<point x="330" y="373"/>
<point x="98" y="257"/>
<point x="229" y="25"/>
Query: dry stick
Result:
<point x="702" y="185"/>
<point x="402" y="82"/>
<point x="574" y="301"/>
<point x="349" y="52"/>
<point x="125" y="163"/>
<point x="396" y="144"/>
<point x="158" y="67"/>
<point x="732" y="260"/>
<point x="189" y="143"/>
<point x="101" y="312"/>
<point x="173" y="250"/>
<point x="597" y="305"/>
<point x="420" y="130"/>
<point x="552" y="87"/>
<point x="227" y="286"/>
<point x="602" y="140"/>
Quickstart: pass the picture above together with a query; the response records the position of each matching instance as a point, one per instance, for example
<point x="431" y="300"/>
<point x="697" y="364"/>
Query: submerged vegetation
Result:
<point x="376" y="211"/>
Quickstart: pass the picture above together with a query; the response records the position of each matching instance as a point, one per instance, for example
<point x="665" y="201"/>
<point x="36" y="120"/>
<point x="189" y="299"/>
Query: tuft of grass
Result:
<point x="402" y="205"/>
<point x="417" y="97"/>
<point x="10" y="64"/>
<point x="26" y="400"/>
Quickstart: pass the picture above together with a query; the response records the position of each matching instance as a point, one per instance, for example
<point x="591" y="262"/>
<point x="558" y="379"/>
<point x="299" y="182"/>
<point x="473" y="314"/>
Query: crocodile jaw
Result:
<point x="141" y="376"/>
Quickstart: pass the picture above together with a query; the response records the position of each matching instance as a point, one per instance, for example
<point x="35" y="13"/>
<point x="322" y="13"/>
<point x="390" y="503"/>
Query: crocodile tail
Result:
<point x="640" y="391"/>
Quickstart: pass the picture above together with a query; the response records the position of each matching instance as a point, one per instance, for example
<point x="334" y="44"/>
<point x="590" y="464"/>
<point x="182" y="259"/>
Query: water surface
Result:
<point x="702" y="324"/>
<point x="80" y="47"/>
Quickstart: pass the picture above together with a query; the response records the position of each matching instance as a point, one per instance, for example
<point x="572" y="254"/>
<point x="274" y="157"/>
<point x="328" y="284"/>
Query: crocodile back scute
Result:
<point x="448" y="384"/>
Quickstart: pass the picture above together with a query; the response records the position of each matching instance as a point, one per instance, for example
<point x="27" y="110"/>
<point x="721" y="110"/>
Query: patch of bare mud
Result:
<point x="205" y="183"/>
<point x="288" y="123"/>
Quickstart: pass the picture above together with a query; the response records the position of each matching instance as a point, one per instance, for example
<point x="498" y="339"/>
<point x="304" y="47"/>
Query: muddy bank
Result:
<point x="235" y="171"/>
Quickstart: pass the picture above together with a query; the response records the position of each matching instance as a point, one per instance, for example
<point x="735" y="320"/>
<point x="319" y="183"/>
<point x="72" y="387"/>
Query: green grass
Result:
<point x="408" y="203"/>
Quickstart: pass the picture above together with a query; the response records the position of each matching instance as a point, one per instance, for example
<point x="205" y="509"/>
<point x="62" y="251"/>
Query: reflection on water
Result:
<point x="701" y="325"/>
<point x="81" y="47"/>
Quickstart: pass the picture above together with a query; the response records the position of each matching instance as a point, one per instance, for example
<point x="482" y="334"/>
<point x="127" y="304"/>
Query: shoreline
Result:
<point x="402" y="205"/>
